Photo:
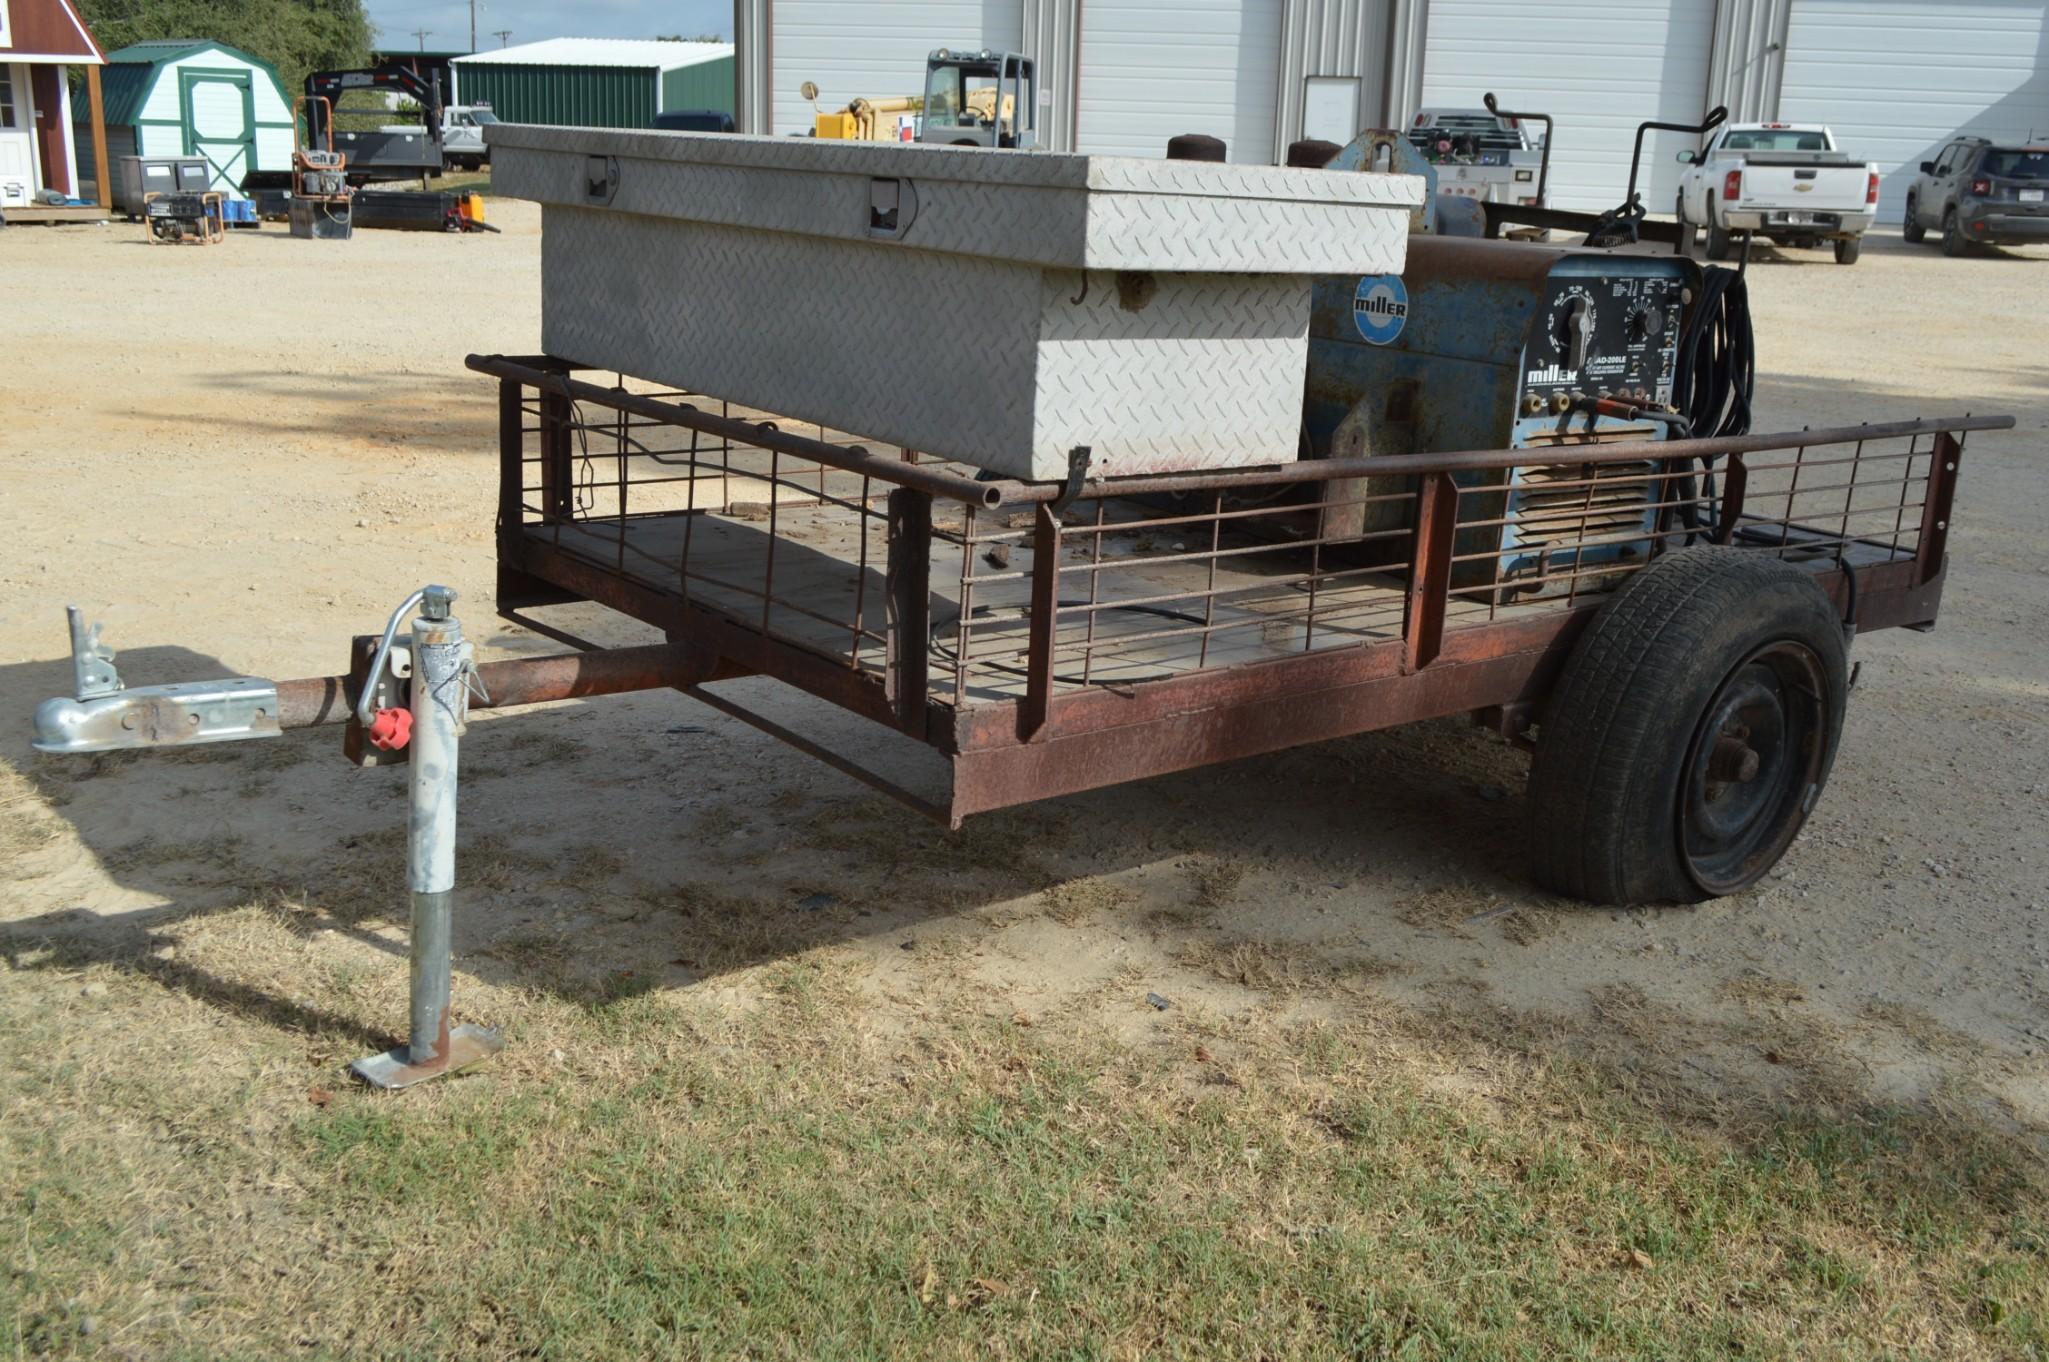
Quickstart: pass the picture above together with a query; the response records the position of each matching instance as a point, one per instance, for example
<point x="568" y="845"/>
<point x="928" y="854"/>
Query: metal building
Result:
<point x="1895" y="78"/>
<point x="596" y="82"/>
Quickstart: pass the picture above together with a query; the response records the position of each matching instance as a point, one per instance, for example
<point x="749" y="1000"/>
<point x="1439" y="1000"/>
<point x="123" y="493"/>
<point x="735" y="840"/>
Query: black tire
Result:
<point x="1954" y="242"/>
<point x="1646" y="786"/>
<point x="1718" y="240"/>
<point x="1686" y="229"/>
<point x="1848" y="248"/>
<point x="1911" y="230"/>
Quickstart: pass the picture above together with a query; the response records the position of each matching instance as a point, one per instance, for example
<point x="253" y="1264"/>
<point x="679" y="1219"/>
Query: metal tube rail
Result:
<point x="1005" y="491"/>
<point x="1492" y="460"/>
<point x="855" y="459"/>
<point x="313" y="701"/>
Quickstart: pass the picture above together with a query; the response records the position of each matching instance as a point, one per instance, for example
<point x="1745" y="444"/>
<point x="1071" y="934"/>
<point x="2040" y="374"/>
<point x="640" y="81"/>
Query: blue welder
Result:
<point x="1489" y="344"/>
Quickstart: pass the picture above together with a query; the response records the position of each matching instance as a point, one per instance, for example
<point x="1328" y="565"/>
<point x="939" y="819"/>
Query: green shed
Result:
<point x="193" y="97"/>
<point x="596" y="82"/>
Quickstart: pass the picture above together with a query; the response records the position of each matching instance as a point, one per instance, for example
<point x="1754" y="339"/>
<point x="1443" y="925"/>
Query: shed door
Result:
<point x="1598" y="68"/>
<point x="1895" y="80"/>
<point x="220" y="123"/>
<point x="1154" y="69"/>
<point x="17" y="157"/>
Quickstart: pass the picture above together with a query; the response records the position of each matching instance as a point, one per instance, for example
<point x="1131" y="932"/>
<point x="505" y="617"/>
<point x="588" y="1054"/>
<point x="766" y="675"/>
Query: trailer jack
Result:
<point x="440" y="682"/>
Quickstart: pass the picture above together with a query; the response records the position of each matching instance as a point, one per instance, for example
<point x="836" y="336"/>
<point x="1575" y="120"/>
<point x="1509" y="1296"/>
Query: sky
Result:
<point x="448" y="21"/>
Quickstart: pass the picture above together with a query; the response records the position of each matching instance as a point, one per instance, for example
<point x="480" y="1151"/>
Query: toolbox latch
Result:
<point x="892" y="204"/>
<point x="600" y="179"/>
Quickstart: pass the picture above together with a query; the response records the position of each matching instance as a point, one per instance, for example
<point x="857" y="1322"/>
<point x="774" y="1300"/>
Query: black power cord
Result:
<point x="1715" y="379"/>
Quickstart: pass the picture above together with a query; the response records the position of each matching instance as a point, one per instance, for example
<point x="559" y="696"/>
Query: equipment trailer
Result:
<point x="1664" y="623"/>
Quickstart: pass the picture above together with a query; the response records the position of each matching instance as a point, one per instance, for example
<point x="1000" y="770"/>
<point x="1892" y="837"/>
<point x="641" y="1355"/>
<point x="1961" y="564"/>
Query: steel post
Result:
<point x="440" y="700"/>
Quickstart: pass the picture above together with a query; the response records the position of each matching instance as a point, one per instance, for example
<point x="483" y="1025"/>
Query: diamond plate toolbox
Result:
<point x="995" y="307"/>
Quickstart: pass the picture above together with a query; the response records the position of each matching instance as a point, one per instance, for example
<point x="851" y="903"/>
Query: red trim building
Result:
<point x="40" y="40"/>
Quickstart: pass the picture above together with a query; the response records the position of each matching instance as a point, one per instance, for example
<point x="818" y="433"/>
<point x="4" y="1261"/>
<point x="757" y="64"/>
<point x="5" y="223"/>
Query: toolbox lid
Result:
<point x="1046" y="208"/>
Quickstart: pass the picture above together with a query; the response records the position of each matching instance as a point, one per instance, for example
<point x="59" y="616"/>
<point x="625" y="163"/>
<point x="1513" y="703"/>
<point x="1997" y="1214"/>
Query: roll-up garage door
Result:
<point x="1597" y="68"/>
<point x="1896" y="79"/>
<point x="1154" y="69"/>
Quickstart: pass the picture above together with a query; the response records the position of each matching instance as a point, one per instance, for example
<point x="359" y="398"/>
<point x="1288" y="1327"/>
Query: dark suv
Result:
<point x="1979" y="194"/>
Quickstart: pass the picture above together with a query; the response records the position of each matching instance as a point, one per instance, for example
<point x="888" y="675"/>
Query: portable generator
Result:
<point x="179" y="216"/>
<point x="1487" y="344"/>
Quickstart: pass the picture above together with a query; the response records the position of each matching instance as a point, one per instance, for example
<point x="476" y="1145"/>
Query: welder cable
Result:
<point x="1715" y="379"/>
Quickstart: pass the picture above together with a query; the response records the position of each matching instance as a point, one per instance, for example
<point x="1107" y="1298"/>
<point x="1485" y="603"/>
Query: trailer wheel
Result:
<point x="1848" y="248"/>
<point x="1691" y="731"/>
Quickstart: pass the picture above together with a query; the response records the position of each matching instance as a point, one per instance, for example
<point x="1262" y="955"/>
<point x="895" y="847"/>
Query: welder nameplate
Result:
<point x="1600" y="335"/>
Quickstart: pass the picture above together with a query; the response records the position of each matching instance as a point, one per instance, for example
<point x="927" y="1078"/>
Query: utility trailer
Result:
<point x="1663" y="622"/>
<point x="1683" y="705"/>
<point x="1048" y="639"/>
<point x="380" y="154"/>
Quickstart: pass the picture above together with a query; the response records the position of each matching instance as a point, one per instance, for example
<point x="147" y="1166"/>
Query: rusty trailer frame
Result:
<point x="1046" y="640"/>
<point x="1051" y="639"/>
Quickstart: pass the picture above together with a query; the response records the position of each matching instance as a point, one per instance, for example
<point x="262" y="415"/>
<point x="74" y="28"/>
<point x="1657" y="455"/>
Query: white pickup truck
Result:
<point x="1784" y="181"/>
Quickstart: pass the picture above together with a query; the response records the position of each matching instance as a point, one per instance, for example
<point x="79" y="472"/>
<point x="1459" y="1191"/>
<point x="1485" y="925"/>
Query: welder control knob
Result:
<point x="391" y="729"/>
<point x="1645" y="322"/>
<point x="1579" y="332"/>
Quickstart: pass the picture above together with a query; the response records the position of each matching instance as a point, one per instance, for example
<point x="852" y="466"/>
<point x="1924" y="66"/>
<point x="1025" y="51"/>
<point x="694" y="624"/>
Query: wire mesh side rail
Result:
<point x="1050" y="628"/>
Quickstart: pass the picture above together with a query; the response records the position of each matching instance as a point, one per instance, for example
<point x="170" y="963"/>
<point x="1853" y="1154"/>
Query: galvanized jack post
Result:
<point x="443" y="677"/>
<point x="105" y="714"/>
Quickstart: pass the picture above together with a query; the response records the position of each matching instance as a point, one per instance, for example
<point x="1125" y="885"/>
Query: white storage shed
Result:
<point x="189" y="97"/>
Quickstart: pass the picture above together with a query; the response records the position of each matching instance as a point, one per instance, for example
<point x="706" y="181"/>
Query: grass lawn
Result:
<point x="778" y="1166"/>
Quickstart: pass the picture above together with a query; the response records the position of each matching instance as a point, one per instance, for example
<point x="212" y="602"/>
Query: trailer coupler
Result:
<point x="104" y="715"/>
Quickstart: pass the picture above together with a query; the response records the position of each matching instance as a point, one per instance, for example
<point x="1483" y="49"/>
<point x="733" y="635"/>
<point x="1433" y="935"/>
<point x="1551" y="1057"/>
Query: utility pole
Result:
<point x="501" y="35"/>
<point x="421" y="34"/>
<point x="473" y="25"/>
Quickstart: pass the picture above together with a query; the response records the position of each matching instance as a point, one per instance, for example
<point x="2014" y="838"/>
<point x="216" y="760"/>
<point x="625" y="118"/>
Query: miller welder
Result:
<point x="1487" y="344"/>
<point x="1504" y="345"/>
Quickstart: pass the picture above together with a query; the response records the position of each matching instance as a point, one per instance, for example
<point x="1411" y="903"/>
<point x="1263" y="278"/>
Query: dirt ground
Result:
<point x="238" y="457"/>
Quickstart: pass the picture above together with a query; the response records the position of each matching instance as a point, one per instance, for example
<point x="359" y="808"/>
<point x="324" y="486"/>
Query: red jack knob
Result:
<point x="391" y="729"/>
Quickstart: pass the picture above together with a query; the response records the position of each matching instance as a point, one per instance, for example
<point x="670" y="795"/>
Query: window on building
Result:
<point x="9" y="115"/>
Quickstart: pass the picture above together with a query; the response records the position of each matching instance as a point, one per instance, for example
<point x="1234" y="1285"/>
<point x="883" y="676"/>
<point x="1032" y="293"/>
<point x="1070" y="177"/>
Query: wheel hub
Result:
<point x="1756" y="758"/>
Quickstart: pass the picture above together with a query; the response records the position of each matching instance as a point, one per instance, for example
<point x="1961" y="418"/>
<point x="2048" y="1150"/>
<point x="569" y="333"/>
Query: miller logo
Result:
<point x="1380" y="308"/>
<point x="1550" y="374"/>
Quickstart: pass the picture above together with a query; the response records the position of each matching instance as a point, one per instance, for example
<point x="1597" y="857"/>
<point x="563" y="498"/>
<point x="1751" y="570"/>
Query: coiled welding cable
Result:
<point x="1715" y="379"/>
<point x="1717" y="358"/>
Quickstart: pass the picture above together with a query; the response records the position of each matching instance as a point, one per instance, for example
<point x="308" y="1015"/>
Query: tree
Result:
<point x="295" y="36"/>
